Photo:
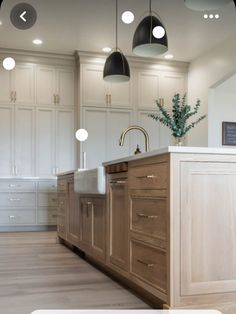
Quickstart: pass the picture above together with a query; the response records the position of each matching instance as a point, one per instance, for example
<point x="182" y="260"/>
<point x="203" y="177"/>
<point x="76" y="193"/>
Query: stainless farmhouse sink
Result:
<point x="90" y="181"/>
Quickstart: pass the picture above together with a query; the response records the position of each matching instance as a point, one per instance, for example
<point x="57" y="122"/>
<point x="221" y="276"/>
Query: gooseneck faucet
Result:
<point x="135" y="127"/>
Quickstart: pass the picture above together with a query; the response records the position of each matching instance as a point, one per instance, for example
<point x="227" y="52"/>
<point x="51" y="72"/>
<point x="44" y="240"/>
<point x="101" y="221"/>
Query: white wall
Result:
<point x="204" y="72"/>
<point x="222" y="107"/>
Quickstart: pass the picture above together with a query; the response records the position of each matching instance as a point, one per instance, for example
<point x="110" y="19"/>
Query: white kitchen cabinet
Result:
<point x="45" y="142"/>
<point x="95" y="122"/>
<point x="24" y="141"/>
<point x="17" y="86"/>
<point x="65" y="140"/>
<point x="98" y="93"/>
<point x="161" y="86"/>
<point x="54" y="141"/>
<point x="104" y="127"/>
<point x="54" y="86"/>
<point x="16" y="141"/>
<point x="6" y="140"/>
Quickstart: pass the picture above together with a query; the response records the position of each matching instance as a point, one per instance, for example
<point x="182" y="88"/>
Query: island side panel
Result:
<point x="203" y="197"/>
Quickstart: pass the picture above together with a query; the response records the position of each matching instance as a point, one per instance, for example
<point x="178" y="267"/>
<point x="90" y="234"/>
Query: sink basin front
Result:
<point x="90" y="181"/>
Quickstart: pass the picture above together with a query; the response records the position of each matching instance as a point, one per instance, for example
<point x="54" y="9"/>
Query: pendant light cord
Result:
<point x="116" y="24"/>
<point x="150" y="7"/>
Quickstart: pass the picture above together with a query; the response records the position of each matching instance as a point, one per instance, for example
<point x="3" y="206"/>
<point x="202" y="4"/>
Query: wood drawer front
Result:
<point x="62" y="185"/>
<point x="47" y="186"/>
<point x="62" y="205"/>
<point x="61" y="225"/>
<point x="148" y="216"/>
<point x="149" y="264"/>
<point x="47" y="216"/>
<point x="149" y="177"/>
<point x="8" y="186"/>
<point x="47" y="199"/>
<point x="17" y="217"/>
<point x="26" y="200"/>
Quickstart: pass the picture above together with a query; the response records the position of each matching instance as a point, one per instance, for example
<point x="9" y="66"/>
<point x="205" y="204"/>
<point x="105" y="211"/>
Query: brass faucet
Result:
<point x="135" y="127"/>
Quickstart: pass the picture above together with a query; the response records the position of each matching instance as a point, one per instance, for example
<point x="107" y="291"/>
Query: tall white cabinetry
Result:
<point x="37" y="127"/>
<point x="107" y="109"/>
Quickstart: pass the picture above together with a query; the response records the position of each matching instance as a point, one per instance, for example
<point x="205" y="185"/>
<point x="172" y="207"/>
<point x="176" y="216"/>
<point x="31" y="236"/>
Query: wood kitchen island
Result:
<point x="171" y="226"/>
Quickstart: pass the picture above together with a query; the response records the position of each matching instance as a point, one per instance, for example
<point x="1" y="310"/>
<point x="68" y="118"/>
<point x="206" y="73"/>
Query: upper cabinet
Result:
<point x="17" y="86"/>
<point x="161" y="86"/>
<point x="55" y="86"/>
<point x="98" y="93"/>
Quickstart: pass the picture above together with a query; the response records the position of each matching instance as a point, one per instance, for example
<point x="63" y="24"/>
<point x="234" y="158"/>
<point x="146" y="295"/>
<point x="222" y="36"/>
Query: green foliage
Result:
<point x="177" y="122"/>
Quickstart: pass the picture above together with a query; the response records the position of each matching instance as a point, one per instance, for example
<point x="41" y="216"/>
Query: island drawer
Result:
<point x="149" y="264"/>
<point x="149" y="177"/>
<point x="8" y="186"/>
<point x="17" y="200"/>
<point x="148" y="216"/>
<point x="17" y="217"/>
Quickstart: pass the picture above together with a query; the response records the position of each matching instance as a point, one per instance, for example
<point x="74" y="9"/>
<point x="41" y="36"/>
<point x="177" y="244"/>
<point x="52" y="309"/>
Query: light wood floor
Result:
<point x="38" y="273"/>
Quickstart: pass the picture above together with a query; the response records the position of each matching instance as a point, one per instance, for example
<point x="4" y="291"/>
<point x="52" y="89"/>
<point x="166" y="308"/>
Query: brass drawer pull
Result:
<point x="151" y="176"/>
<point x="61" y="203"/>
<point x="89" y="203"/>
<point x="144" y="263"/>
<point x="118" y="182"/>
<point x="147" y="216"/>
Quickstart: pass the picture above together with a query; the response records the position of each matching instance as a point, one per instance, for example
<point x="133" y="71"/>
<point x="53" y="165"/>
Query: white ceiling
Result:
<point x="89" y="25"/>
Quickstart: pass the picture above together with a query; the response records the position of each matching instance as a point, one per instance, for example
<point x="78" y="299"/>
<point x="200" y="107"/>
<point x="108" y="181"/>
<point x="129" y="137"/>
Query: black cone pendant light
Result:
<point x="116" y="68"/>
<point x="206" y="5"/>
<point x="150" y="38"/>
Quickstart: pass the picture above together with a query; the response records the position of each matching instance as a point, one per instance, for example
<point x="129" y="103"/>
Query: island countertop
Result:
<point x="175" y="149"/>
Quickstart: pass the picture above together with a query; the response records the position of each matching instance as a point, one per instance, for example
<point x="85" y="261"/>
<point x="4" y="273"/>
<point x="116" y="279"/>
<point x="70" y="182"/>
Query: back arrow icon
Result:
<point x="22" y="16"/>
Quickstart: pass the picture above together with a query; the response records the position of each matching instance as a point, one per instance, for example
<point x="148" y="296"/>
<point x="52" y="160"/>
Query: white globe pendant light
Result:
<point x="206" y="5"/>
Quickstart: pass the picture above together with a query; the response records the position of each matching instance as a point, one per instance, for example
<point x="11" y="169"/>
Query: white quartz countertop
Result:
<point x="175" y="149"/>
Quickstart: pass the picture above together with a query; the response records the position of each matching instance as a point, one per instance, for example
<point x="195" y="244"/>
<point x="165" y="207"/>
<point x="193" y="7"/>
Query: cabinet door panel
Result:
<point x="5" y="83"/>
<point x="117" y="122"/>
<point x="95" y="122"/>
<point x="45" y="86"/>
<point x="93" y="86"/>
<point x="45" y="147"/>
<point x="121" y="95"/>
<point x="85" y="224"/>
<point x="6" y="140"/>
<point x="118" y="223"/>
<point x="98" y="228"/>
<point x="170" y="85"/>
<point x="65" y="140"/>
<point x="149" y="89"/>
<point x="24" y="141"/>
<point x="66" y="87"/>
<point x="23" y="84"/>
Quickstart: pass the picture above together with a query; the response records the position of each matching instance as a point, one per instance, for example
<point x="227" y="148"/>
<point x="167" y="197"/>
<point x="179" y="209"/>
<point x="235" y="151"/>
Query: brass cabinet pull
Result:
<point x="11" y="96"/>
<point x="147" y="216"/>
<point x="117" y="182"/>
<point x="54" y="99"/>
<point x="106" y="99"/>
<point x="145" y="263"/>
<point x="151" y="176"/>
<point x="58" y="99"/>
<point x="109" y="99"/>
<point x="15" y="96"/>
<point x="89" y="203"/>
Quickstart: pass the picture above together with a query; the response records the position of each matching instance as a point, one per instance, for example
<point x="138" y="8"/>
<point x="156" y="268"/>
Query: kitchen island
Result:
<point x="171" y="226"/>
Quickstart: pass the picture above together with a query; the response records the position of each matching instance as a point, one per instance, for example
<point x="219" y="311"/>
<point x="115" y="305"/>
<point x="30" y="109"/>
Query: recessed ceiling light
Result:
<point x="81" y="135"/>
<point x="169" y="56"/>
<point x="0" y="22"/>
<point x="211" y="16"/>
<point x="158" y="32"/>
<point x="106" y="49"/>
<point x="37" y="41"/>
<point x="127" y="17"/>
<point x="205" y="16"/>
<point x="217" y="16"/>
<point x="9" y="63"/>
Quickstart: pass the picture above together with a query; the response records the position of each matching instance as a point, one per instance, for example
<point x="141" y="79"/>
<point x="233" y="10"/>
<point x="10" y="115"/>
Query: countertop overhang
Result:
<point x="175" y="149"/>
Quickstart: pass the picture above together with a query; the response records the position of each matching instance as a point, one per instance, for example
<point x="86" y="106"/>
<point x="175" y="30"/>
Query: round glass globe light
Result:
<point x="81" y="135"/>
<point x="158" y="32"/>
<point x="127" y="17"/>
<point x="9" y="63"/>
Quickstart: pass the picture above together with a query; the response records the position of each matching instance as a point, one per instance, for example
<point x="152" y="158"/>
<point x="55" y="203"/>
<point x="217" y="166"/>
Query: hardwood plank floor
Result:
<point x="36" y="272"/>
